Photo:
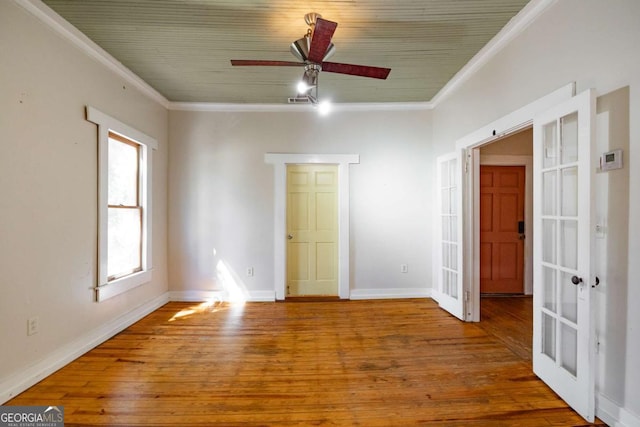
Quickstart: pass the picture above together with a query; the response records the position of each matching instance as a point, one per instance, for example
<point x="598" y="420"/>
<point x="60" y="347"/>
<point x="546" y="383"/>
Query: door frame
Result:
<point x="511" y="123"/>
<point x="280" y="162"/>
<point x="527" y="162"/>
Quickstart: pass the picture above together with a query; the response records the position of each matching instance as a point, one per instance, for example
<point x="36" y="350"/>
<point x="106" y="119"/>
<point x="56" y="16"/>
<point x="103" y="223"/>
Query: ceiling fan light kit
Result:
<point x="313" y="50"/>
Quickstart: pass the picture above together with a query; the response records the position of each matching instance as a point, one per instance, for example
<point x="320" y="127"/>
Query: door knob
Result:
<point x="576" y="280"/>
<point x="290" y="236"/>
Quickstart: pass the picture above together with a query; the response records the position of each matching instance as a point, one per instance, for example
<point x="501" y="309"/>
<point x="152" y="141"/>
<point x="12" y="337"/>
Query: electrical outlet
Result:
<point x="404" y="268"/>
<point x="250" y="271"/>
<point x="33" y="326"/>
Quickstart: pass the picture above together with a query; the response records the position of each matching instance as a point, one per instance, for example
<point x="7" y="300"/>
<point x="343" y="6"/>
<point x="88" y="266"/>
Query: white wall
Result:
<point x="222" y="193"/>
<point x="48" y="190"/>
<point x="593" y="43"/>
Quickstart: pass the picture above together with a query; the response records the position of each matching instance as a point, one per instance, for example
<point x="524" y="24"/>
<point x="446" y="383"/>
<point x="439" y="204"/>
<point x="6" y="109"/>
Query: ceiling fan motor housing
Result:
<point x="300" y="49"/>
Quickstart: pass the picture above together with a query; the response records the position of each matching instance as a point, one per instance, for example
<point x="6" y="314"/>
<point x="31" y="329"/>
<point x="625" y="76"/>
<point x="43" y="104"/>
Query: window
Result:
<point x="124" y="206"/>
<point x="124" y="225"/>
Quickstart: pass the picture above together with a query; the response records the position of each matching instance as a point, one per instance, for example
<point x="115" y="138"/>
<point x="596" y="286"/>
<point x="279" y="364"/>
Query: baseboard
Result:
<point x="64" y="355"/>
<point x="262" y="296"/>
<point x="612" y="414"/>
<point x="195" y="296"/>
<point x="358" y="294"/>
<point x="270" y="296"/>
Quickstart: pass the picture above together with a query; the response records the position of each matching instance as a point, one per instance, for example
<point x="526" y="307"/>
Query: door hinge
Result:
<point x="467" y="296"/>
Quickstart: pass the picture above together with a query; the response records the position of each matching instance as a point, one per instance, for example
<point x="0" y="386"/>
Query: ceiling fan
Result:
<point x="313" y="50"/>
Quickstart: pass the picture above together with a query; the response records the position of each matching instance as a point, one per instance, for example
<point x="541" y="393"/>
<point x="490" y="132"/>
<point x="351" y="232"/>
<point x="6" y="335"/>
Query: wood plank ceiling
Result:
<point x="182" y="48"/>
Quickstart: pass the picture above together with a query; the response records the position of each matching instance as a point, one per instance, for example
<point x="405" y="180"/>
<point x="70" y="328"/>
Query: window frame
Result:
<point x="107" y="125"/>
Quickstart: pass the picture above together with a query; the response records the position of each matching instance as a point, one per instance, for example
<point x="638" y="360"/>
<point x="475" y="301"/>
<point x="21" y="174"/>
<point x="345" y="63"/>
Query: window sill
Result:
<point x="124" y="284"/>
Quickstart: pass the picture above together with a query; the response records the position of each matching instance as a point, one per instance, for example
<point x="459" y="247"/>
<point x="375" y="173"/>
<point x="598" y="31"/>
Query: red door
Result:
<point x="502" y="229"/>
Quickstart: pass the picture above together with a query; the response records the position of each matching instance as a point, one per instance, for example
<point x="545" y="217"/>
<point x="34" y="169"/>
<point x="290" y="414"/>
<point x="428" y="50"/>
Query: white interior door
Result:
<point x="563" y="326"/>
<point x="450" y="295"/>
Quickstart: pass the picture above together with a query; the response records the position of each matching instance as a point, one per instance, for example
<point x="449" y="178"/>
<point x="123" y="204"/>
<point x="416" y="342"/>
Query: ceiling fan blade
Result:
<point x="322" y="34"/>
<point x="356" y="70"/>
<point x="268" y="63"/>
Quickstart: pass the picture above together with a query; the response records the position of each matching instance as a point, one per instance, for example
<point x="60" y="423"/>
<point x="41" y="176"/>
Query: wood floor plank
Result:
<point x="370" y="363"/>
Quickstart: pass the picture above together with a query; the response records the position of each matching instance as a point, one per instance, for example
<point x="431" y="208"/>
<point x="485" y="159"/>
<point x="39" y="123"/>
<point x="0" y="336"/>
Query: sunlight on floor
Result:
<point x="211" y="306"/>
<point x="236" y="309"/>
<point x="233" y="298"/>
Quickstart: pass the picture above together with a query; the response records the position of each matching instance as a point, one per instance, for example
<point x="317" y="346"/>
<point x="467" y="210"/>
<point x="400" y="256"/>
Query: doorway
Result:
<point x="280" y="162"/>
<point x="507" y="166"/>
<point x="512" y="156"/>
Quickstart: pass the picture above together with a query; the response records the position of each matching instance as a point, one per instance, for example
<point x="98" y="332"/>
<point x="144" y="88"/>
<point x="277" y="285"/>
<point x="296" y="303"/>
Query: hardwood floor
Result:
<point x="510" y="320"/>
<point x="368" y="363"/>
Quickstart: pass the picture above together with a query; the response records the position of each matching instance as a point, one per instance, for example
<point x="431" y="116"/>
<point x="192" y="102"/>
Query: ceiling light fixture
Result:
<point x="307" y="89"/>
<point x="303" y="88"/>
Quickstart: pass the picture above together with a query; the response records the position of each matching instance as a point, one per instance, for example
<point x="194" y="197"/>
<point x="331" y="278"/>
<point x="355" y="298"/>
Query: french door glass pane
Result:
<point x="445" y="282"/>
<point x="549" y="335"/>
<point x="550" y="144"/>
<point x="569" y="192"/>
<point x="569" y="298"/>
<point x="549" y="193"/>
<point x="569" y="138"/>
<point x="453" y="283"/>
<point x="569" y="243"/>
<point x="445" y="255"/>
<point x="569" y="352"/>
<point x="123" y="173"/>
<point x="549" y="301"/>
<point x="454" y="229"/>
<point x="446" y="228"/>
<point x="452" y="201"/>
<point x="449" y="283"/>
<point x="445" y="208"/>
<point x="124" y="241"/>
<point x="453" y="258"/>
<point x="549" y="241"/>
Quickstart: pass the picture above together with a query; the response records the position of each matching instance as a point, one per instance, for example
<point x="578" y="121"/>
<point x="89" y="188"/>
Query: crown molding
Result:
<point x="58" y="24"/>
<point x="298" y="108"/>
<point x="514" y="27"/>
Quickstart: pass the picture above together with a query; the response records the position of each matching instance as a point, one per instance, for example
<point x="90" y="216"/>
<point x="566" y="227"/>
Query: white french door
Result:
<point x="450" y="295"/>
<point x="563" y="329"/>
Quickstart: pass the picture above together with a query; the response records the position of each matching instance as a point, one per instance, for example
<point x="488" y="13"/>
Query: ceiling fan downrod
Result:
<point x="311" y="19"/>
